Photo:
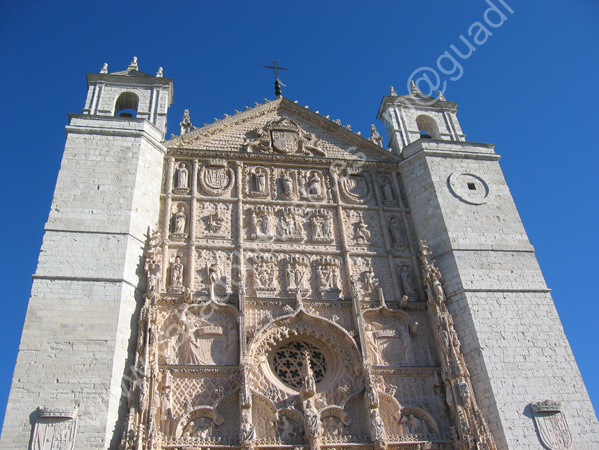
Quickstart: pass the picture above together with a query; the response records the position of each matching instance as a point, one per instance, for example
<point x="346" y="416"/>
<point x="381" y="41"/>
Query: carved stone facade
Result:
<point x="288" y="298"/>
<point x="294" y="313"/>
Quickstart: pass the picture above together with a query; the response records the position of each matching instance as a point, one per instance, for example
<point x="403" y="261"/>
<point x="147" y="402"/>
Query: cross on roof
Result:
<point x="275" y="68"/>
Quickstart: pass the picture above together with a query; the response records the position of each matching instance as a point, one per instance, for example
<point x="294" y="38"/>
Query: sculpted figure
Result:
<point x="407" y="281"/>
<point x="213" y="277"/>
<point x="287" y="185"/>
<point x="182" y="176"/>
<point x="371" y="284"/>
<point x="396" y="234"/>
<point x="326" y="227"/>
<point x="375" y="352"/>
<point x="362" y="234"/>
<point x="248" y="430"/>
<point x="260" y="176"/>
<point x="177" y="272"/>
<point x="312" y="419"/>
<point x="375" y="137"/>
<point x="180" y="219"/>
<point x="314" y="185"/>
<point x="387" y="191"/>
<point x="286" y="429"/>
<point x="316" y="222"/>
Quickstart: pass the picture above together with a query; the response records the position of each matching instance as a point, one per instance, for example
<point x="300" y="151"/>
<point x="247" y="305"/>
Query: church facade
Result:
<point x="275" y="280"/>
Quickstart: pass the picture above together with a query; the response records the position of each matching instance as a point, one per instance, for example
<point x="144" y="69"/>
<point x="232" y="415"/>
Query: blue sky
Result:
<point x="530" y="88"/>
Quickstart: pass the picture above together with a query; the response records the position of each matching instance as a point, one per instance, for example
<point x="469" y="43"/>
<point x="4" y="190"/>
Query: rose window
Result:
<point x="288" y="362"/>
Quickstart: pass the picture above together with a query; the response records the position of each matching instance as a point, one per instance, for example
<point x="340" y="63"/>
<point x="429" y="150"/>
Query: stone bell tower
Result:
<point x="511" y="335"/>
<point x="76" y="340"/>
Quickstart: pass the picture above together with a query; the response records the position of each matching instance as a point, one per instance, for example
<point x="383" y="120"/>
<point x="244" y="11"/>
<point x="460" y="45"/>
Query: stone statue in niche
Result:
<point x="371" y="284"/>
<point x="388" y="195"/>
<point x="407" y="281"/>
<point x="213" y="278"/>
<point x="209" y="342"/>
<point x="263" y="273"/>
<point x="260" y="223"/>
<point x="260" y="179"/>
<point x="288" y="190"/>
<point x="333" y="426"/>
<point x="314" y="189"/>
<point x="216" y="221"/>
<point x="361" y="235"/>
<point x="390" y="344"/>
<point x="182" y="179"/>
<point x="320" y="224"/>
<point x="166" y="416"/>
<point x="288" y="429"/>
<point x="297" y="275"/>
<point x="248" y="430"/>
<point x="313" y="428"/>
<point x="202" y="427"/>
<point x="179" y="221"/>
<point x="177" y="276"/>
<point x="290" y="226"/>
<point x="328" y="276"/>
<point x="412" y="425"/>
<point x="397" y="239"/>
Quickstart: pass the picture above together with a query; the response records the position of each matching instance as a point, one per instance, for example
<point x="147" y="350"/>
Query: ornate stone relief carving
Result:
<point x="284" y="136"/>
<point x="261" y="226"/>
<point x="472" y="429"/>
<point x="355" y="187"/>
<point x="290" y="225"/>
<point x="321" y="226"/>
<point x="259" y="183"/>
<point x="389" y="337"/>
<point x="215" y="178"/>
<point x="216" y="220"/>
<point x="264" y="273"/>
<point x="328" y="277"/>
<point x="361" y="233"/>
<point x="153" y="265"/>
<point x="297" y="274"/>
<point x="289" y="185"/>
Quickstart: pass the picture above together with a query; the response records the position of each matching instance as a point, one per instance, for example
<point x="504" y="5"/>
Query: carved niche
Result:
<point x="389" y="337"/>
<point x="179" y="222"/>
<point x="290" y="225"/>
<point x="176" y="274"/>
<point x="396" y="232"/>
<point x="389" y="198"/>
<point x="264" y="273"/>
<point x="261" y="226"/>
<point x="215" y="178"/>
<point x="259" y="182"/>
<point x="297" y="274"/>
<point x="181" y="178"/>
<point x="321" y="226"/>
<point x="54" y="428"/>
<point x="201" y="335"/>
<point x="328" y="277"/>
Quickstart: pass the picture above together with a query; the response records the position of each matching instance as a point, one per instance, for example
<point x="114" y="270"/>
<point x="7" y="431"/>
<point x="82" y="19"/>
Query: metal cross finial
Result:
<point x="275" y="68"/>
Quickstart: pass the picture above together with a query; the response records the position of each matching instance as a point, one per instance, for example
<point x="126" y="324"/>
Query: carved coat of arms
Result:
<point x="216" y="178"/>
<point x="54" y="430"/>
<point x="551" y="425"/>
<point x="283" y="136"/>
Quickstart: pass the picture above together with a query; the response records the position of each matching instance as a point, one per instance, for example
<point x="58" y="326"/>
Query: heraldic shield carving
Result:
<point x="55" y="429"/>
<point x="551" y="425"/>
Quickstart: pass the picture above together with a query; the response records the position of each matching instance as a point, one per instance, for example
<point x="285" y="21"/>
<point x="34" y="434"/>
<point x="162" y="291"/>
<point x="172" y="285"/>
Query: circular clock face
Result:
<point x="469" y="188"/>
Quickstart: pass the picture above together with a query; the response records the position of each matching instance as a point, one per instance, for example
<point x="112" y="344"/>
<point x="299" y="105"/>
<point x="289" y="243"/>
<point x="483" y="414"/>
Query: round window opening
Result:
<point x="288" y="362"/>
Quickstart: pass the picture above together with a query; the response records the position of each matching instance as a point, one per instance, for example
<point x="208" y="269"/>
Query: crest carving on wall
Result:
<point x="551" y="425"/>
<point x="216" y="178"/>
<point x="283" y="136"/>
<point x="55" y="429"/>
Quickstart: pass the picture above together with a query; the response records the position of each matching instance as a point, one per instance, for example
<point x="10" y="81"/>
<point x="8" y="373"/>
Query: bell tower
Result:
<point x="78" y="330"/>
<point x="512" y="338"/>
